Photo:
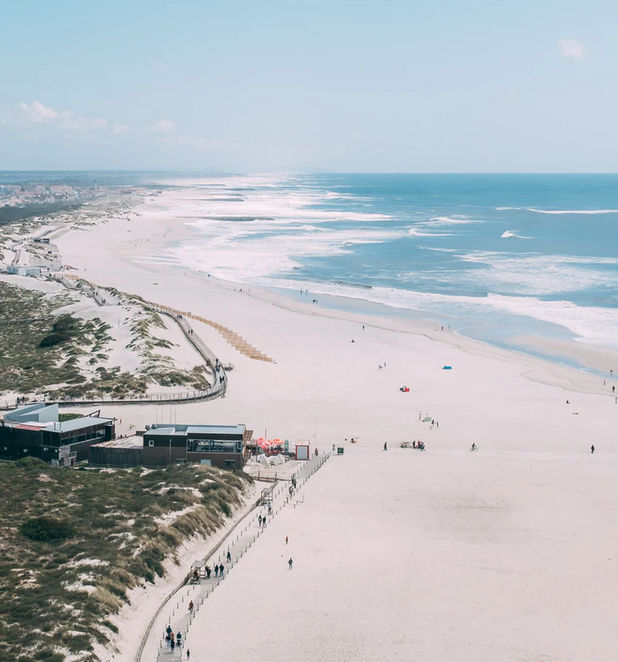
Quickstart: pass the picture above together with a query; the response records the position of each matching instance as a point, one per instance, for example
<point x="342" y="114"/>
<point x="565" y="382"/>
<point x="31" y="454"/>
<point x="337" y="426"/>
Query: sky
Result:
<point x="310" y="85"/>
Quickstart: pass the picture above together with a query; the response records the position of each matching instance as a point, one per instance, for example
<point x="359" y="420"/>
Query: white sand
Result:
<point x="504" y="554"/>
<point x="436" y="556"/>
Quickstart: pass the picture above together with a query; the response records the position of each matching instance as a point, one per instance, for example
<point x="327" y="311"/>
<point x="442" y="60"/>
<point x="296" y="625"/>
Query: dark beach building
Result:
<point x="222" y="446"/>
<point x="122" y="452"/>
<point x="35" y="431"/>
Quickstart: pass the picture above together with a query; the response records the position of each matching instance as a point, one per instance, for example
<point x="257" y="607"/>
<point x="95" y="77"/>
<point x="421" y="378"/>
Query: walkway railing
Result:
<point x="217" y="389"/>
<point x="239" y="539"/>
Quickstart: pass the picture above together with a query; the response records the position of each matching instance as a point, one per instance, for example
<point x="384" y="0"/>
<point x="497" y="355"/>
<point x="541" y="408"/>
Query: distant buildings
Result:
<point x="35" y="431"/>
<point x="223" y="446"/>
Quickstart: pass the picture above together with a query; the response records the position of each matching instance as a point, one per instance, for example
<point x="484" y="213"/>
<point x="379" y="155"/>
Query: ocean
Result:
<point x="495" y="257"/>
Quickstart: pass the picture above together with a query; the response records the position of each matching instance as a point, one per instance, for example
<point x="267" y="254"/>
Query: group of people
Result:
<point x="173" y="641"/>
<point x="219" y="571"/>
<point x="420" y="445"/>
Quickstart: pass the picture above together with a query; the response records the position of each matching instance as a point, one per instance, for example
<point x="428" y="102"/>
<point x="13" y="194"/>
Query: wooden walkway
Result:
<point x="174" y="610"/>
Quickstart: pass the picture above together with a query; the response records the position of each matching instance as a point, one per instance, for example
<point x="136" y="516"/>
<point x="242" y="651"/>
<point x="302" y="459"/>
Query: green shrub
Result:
<point x="46" y="529"/>
<point x="49" y="656"/>
<point x="65" y="324"/>
<point x="54" y="339"/>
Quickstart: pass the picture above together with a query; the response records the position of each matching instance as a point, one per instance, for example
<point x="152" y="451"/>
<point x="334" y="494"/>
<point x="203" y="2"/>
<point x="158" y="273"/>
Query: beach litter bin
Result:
<point x="340" y="450"/>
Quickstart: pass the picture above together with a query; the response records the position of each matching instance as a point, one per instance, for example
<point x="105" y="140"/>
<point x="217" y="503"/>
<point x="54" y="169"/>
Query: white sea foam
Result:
<point x="590" y="324"/>
<point x="573" y="211"/>
<point x="507" y="234"/>
<point x="415" y="232"/>
<point x="448" y="220"/>
<point x="559" y="211"/>
<point x="225" y="256"/>
<point x="537" y="274"/>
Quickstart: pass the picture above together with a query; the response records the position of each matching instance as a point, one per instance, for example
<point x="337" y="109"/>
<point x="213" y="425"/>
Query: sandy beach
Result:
<point x="502" y="554"/>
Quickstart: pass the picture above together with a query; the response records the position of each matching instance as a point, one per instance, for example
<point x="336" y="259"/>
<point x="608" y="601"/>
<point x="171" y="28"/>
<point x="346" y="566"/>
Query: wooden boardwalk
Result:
<point x="174" y="611"/>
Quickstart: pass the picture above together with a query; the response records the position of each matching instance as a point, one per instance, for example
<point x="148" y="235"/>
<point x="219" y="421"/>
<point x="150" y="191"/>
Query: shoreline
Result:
<point x="567" y="352"/>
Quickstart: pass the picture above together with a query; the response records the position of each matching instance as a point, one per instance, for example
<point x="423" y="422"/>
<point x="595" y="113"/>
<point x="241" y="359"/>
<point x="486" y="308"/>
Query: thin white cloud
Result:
<point x="38" y="113"/>
<point x="163" y="126"/>
<point x="164" y="131"/>
<point x="35" y="112"/>
<point x="572" y="49"/>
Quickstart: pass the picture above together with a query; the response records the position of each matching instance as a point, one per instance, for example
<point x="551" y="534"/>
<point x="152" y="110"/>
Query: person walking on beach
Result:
<point x="286" y="540"/>
<point x="221" y="570"/>
<point x="217" y="570"/>
<point x="229" y="556"/>
<point x="208" y="571"/>
<point x="188" y="654"/>
<point x="191" y="606"/>
<point x="592" y="449"/>
<point x="290" y="563"/>
<point x="385" y="446"/>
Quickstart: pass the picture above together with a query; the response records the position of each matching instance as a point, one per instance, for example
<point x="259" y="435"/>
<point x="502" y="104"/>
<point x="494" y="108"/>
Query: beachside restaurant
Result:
<point x="36" y="431"/>
<point x="223" y="446"/>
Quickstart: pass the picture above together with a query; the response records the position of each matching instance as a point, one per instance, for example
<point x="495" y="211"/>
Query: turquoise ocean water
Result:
<point x="494" y="256"/>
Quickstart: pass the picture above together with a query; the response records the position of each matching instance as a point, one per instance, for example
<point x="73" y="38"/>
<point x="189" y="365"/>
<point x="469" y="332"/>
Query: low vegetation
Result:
<point x="26" y="318"/>
<point x="46" y="351"/>
<point x="75" y="541"/>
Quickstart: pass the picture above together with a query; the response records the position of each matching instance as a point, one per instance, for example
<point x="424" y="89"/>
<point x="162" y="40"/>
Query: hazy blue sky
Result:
<point x="511" y="85"/>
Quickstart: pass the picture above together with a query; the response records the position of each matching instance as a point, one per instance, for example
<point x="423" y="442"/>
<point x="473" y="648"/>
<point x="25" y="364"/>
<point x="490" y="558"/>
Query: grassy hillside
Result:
<point x="74" y="541"/>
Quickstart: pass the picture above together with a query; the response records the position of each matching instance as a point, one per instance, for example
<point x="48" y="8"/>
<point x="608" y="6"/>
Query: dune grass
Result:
<point x="46" y="351"/>
<point x="61" y="579"/>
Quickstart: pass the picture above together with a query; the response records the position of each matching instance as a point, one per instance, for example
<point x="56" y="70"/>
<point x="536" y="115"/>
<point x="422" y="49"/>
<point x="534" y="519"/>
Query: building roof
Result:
<point x="182" y="430"/>
<point x="168" y="431"/>
<point x="79" y="423"/>
<point x="41" y="416"/>
<point x="126" y="442"/>
<point x="215" y="429"/>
